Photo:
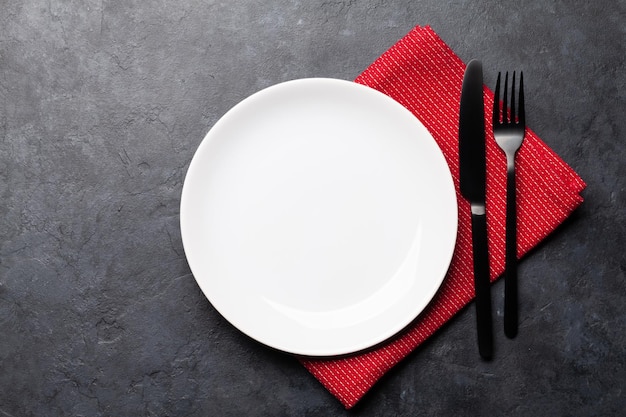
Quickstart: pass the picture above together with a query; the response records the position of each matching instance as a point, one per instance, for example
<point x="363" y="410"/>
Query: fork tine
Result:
<point x="512" y="116"/>
<point x="505" y="116"/>
<point x="496" y="103"/>
<point x="522" y="116"/>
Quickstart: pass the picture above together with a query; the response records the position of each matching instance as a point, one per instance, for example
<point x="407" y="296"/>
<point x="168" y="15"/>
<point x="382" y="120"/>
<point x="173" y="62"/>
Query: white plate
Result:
<point x="319" y="216"/>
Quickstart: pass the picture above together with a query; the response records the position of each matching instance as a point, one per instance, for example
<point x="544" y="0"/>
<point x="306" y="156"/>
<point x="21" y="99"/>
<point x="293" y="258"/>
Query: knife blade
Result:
<point x="473" y="184"/>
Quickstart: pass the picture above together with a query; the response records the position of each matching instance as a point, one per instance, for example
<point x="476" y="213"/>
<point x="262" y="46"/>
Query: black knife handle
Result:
<point x="482" y="286"/>
<point x="510" y="266"/>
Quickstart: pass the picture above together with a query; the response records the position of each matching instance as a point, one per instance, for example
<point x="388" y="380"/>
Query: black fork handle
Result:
<point x="510" y="265"/>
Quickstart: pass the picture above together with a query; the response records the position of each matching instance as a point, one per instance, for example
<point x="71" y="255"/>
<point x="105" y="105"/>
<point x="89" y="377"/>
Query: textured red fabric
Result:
<point x="422" y="73"/>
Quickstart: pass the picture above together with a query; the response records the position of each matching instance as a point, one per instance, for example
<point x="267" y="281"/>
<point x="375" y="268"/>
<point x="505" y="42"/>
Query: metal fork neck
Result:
<point x="510" y="161"/>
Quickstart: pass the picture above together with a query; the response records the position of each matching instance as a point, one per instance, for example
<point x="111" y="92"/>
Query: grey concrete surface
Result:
<point x="102" y="105"/>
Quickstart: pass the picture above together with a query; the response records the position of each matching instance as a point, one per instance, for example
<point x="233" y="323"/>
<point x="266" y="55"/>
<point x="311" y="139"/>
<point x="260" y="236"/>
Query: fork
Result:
<point x="509" y="129"/>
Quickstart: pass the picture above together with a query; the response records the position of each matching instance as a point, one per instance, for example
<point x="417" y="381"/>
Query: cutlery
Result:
<point x="509" y="129"/>
<point x="472" y="163"/>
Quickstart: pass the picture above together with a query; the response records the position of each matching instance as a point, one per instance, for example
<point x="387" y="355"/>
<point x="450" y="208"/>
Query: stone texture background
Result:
<point x="102" y="105"/>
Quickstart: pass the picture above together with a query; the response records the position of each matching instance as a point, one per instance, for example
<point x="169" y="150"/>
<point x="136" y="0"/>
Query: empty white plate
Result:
<point x="319" y="216"/>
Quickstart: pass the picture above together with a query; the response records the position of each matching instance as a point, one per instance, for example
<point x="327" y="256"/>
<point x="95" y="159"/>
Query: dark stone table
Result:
<point x="103" y="104"/>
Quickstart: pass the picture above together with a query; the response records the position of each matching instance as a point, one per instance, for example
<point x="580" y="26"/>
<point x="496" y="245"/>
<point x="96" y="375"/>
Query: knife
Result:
<point x="472" y="163"/>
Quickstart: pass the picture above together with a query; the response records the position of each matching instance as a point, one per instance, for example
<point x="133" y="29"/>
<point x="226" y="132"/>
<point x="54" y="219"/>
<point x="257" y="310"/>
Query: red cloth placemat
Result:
<point x="422" y="73"/>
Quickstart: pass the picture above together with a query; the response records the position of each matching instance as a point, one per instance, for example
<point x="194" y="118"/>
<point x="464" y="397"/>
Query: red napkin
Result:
<point x="422" y="73"/>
